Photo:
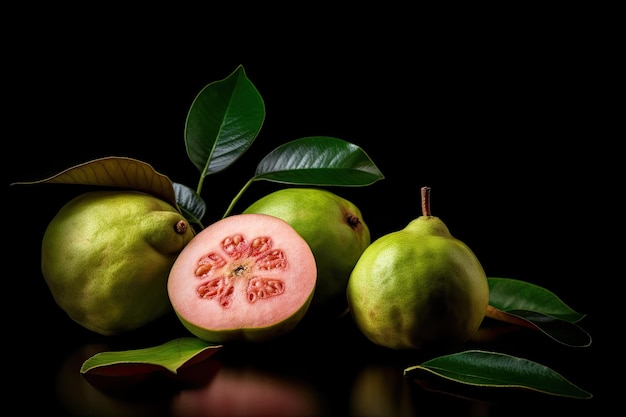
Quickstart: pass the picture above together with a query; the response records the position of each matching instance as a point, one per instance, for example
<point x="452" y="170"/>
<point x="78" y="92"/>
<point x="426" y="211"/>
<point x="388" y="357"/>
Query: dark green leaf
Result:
<point x="319" y="160"/>
<point x="170" y="356"/>
<point x="511" y="294"/>
<point x="529" y="305"/>
<point x="560" y="330"/>
<point x="315" y="160"/>
<point x="116" y="172"/>
<point x="497" y="370"/>
<point x="223" y="121"/>
<point x="190" y="203"/>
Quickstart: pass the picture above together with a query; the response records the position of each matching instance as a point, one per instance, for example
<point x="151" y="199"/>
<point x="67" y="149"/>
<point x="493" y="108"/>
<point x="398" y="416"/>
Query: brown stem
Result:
<point x="500" y="315"/>
<point x="426" y="201"/>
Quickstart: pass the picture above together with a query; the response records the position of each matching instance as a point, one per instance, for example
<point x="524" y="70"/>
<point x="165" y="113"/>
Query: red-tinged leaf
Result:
<point x="511" y="294"/>
<point x="529" y="305"/>
<point x="170" y="357"/>
<point x="178" y="363"/>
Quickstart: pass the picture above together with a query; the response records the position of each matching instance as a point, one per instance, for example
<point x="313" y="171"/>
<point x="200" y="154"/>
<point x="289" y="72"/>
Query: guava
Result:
<point x="334" y="229"/>
<point x="106" y="257"/>
<point x="246" y="277"/>
<point x="418" y="288"/>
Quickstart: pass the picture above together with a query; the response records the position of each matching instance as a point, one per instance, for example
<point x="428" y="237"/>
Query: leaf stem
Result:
<point x="497" y="314"/>
<point x="234" y="201"/>
<point x="426" y="201"/>
<point x="200" y="184"/>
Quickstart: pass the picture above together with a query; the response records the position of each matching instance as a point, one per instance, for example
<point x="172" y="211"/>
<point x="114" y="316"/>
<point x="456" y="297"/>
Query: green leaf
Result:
<point x="170" y="356"/>
<point x="532" y="306"/>
<point x="561" y="331"/>
<point x="191" y="204"/>
<point x="319" y="160"/>
<point x="315" y="160"/>
<point x="498" y="370"/>
<point x="223" y="121"/>
<point x="511" y="294"/>
<point x="116" y="172"/>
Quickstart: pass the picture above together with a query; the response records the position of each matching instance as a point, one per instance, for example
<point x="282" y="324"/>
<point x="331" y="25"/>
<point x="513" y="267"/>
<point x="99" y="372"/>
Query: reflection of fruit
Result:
<point x="245" y="277"/>
<point x="418" y="287"/>
<point x="334" y="229"/>
<point x="106" y="256"/>
<point x="380" y="391"/>
<point x="248" y="393"/>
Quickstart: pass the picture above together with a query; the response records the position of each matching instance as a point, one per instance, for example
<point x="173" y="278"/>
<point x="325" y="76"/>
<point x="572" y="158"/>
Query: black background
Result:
<point x="507" y="125"/>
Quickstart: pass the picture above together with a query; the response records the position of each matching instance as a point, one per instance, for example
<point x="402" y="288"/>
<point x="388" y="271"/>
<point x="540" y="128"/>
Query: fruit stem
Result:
<point x="426" y="201"/>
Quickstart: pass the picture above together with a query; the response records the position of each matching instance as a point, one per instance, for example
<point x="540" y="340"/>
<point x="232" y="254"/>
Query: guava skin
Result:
<point x="418" y="288"/>
<point x="106" y="257"/>
<point x="334" y="229"/>
<point x="246" y="277"/>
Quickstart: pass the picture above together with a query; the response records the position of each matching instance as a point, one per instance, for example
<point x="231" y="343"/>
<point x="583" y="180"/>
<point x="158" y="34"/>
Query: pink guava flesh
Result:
<point x="245" y="277"/>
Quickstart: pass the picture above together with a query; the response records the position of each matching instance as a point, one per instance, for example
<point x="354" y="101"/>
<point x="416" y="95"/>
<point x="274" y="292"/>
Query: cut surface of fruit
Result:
<point x="245" y="277"/>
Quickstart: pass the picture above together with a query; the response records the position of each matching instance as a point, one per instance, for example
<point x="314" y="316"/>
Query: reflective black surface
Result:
<point x="332" y="371"/>
<point x="481" y="126"/>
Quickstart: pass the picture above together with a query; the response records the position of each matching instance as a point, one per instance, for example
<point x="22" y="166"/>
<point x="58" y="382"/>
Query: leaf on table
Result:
<point x="512" y="294"/>
<point x="223" y="121"/>
<point x="562" y="331"/>
<point x="116" y="171"/>
<point x="318" y="160"/>
<point x="170" y="357"/>
<point x="498" y="370"/>
<point x="530" y="305"/>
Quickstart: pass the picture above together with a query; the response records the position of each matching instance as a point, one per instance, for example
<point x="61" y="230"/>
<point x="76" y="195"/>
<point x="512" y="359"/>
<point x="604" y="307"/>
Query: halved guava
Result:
<point x="247" y="277"/>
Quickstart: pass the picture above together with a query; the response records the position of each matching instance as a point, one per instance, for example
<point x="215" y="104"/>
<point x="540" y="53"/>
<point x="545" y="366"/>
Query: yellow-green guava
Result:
<point x="334" y="229"/>
<point x="106" y="257"/>
<point x="418" y="288"/>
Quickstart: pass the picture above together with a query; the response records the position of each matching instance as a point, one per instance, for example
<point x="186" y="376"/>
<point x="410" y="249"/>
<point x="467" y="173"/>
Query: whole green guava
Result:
<point x="334" y="229"/>
<point x="106" y="257"/>
<point x="418" y="288"/>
